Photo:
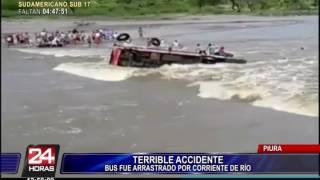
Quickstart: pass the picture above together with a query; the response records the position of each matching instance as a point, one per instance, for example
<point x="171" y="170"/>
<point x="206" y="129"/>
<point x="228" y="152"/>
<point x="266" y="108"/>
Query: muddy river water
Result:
<point x="72" y="97"/>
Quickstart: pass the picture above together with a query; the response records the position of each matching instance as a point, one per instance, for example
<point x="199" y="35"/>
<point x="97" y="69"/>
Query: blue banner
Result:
<point x="188" y="163"/>
<point x="10" y="163"/>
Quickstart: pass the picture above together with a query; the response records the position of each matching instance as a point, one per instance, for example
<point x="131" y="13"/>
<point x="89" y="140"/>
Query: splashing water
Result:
<point x="261" y="84"/>
<point x="98" y="71"/>
<point x="286" y="84"/>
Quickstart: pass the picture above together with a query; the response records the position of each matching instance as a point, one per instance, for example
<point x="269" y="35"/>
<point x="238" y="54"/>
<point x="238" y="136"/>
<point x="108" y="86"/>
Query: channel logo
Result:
<point x="41" y="160"/>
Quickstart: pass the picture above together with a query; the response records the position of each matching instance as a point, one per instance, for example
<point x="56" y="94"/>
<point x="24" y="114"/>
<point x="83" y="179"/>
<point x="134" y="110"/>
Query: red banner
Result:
<point x="288" y="148"/>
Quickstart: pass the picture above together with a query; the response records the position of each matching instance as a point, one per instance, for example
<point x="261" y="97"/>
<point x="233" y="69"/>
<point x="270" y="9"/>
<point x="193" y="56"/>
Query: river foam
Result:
<point x="260" y="84"/>
<point x="287" y="84"/>
<point x="66" y="52"/>
<point x="96" y="70"/>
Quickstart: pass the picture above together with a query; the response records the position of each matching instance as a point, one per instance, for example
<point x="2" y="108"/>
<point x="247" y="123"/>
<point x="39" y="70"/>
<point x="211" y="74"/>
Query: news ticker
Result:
<point x="42" y="160"/>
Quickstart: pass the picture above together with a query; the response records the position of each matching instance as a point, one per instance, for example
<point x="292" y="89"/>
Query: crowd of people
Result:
<point x="18" y="38"/>
<point x="210" y="49"/>
<point x="61" y="38"/>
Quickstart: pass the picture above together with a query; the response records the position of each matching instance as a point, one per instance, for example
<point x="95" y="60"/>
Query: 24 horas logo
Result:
<point x="41" y="160"/>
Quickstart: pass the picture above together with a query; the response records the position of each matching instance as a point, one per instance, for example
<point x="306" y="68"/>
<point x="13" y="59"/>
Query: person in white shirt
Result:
<point x="63" y="36"/>
<point x="97" y="37"/>
<point x="105" y="34"/>
<point x="216" y="49"/>
<point x="97" y="34"/>
<point x="212" y="50"/>
<point x="162" y="44"/>
<point x="175" y="44"/>
<point x="110" y="34"/>
<point x="70" y="37"/>
<point x="115" y="35"/>
<point x="55" y="41"/>
<point x="43" y="33"/>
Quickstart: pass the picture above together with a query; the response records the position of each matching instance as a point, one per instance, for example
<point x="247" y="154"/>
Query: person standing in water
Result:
<point x="149" y="42"/>
<point x="89" y="39"/>
<point x="97" y="37"/>
<point x="27" y="39"/>
<point x="140" y="31"/>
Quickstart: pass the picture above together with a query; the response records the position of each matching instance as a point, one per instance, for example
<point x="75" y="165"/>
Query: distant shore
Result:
<point x="158" y="16"/>
<point x="151" y="9"/>
<point x="14" y="24"/>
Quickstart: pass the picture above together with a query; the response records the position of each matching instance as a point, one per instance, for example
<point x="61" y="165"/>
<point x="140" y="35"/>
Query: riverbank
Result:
<point x="128" y="25"/>
<point x="7" y="14"/>
<point x="133" y="9"/>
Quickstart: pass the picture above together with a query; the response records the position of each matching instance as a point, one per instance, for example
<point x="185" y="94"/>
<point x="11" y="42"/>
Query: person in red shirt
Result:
<point x="223" y="53"/>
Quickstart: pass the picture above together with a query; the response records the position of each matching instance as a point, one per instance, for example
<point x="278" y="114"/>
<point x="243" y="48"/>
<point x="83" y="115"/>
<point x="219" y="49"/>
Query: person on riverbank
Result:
<point x="10" y="40"/>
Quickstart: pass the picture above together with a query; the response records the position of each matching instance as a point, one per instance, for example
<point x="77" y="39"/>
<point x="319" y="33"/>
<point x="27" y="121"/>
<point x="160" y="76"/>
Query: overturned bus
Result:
<point x="135" y="56"/>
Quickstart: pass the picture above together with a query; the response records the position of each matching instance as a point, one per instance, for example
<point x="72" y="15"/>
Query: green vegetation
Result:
<point x="136" y="8"/>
